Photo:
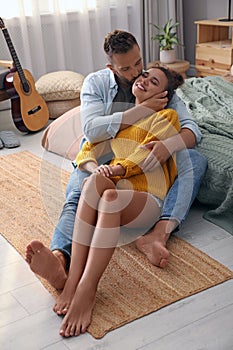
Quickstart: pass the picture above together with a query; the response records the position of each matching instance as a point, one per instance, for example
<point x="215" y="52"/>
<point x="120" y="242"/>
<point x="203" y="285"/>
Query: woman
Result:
<point x="116" y="195"/>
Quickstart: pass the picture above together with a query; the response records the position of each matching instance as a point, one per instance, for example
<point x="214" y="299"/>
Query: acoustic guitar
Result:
<point x="29" y="110"/>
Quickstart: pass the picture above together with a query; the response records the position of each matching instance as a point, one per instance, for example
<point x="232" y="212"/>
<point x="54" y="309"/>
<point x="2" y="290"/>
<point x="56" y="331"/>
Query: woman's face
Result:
<point x="150" y="83"/>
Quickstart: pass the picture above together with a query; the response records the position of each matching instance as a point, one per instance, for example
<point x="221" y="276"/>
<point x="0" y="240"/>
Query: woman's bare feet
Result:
<point x="153" y="244"/>
<point x="78" y="316"/>
<point x="64" y="300"/>
<point x="45" y="264"/>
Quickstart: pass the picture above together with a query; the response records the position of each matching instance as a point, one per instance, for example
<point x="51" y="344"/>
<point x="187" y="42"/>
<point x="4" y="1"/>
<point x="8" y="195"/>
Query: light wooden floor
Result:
<point x="201" y="322"/>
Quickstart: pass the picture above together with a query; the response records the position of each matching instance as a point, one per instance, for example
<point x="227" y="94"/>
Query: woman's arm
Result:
<point x="89" y="166"/>
<point x="90" y="153"/>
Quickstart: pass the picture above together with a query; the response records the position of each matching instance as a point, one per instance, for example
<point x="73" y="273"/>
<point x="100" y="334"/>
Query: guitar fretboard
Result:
<point x="16" y="60"/>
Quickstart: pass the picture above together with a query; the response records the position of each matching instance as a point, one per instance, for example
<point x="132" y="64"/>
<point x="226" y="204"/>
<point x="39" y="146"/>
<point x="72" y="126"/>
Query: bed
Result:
<point x="210" y="102"/>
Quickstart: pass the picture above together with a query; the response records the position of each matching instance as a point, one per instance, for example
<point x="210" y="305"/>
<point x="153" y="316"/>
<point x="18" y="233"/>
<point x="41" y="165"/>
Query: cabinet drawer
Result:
<point x="204" y="70"/>
<point x="215" y="56"/>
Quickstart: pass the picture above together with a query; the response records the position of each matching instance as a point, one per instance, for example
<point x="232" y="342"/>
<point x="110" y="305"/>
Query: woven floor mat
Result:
<point x="31" y="198"/>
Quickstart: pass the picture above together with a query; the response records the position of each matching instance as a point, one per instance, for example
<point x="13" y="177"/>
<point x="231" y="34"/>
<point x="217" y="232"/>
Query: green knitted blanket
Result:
<point x="210" y="102"/>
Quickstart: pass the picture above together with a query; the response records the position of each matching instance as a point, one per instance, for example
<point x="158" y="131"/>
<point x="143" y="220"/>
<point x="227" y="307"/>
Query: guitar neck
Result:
<point x="16" y="60"/>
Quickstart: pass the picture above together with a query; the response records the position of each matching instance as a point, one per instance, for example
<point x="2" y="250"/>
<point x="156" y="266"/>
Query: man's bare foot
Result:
<point x="155" y="251"/>
<point x="153" y="244"/>
<point x="78" y="316"/>
<point x="45" y="264"/>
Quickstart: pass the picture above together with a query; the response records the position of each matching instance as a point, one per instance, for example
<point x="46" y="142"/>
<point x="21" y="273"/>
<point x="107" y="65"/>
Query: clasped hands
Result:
<point x="110" y="170"/>
<point x="158" y="155"/>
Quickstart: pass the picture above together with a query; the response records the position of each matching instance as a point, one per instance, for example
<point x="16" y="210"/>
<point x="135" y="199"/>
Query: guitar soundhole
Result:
<point x="26" y="87"/>
<point x="34" y="110"/>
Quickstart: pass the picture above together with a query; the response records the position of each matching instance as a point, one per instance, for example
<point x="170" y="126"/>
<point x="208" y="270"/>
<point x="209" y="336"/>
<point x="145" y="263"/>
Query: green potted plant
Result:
<point x="167" y="39"/>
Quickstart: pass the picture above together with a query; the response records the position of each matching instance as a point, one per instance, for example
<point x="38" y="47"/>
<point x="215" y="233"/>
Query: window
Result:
<point x="18" y="7"/>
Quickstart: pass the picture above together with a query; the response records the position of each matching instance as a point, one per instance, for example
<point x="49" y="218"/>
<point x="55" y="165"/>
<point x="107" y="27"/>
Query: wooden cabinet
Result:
<point x="214" y="47"/>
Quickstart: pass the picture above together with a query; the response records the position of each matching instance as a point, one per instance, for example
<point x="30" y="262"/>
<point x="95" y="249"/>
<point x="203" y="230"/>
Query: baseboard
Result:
<point x="5" y="105"/>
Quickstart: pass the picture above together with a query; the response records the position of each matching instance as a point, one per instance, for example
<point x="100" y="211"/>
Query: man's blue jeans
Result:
<point x="191" y="166"/>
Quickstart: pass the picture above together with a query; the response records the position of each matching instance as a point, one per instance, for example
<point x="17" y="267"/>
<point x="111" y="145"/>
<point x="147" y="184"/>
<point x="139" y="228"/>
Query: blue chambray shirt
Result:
<point x="97" y="94"/>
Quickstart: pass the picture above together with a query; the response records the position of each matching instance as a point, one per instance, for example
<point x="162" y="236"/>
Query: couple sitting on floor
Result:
<point x="149" y="184"/>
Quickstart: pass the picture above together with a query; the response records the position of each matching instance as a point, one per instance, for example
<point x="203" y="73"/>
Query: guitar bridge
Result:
<point x="34" y="110"/>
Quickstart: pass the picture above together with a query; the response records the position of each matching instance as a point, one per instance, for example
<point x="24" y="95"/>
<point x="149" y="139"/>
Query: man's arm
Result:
<point x="186" y="120"/>
<point x="162" y="150"/>
<point x="188" y="137"/>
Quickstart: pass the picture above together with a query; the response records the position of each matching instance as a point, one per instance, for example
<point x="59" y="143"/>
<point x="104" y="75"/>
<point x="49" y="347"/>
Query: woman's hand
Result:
<point x="110" y="170"/>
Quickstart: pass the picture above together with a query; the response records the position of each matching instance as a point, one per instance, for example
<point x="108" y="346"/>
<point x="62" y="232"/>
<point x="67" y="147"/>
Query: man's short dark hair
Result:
<point x="118" y="41"/>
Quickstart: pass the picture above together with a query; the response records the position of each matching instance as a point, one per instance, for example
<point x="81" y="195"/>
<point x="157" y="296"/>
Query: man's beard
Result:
<point x="124" y="81"/>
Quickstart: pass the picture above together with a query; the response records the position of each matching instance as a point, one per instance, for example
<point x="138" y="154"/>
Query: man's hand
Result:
<point x="144" y="109"/>
<point x="158" y="155"/>
<point x="156" y="102"/>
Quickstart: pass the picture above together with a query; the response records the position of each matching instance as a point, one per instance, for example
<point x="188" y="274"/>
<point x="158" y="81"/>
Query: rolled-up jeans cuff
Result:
<point x="66" y="255"/>
<point x="167" y="217"/>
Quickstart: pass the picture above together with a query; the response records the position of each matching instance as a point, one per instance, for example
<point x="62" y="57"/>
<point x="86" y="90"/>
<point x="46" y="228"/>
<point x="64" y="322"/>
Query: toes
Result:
<point x="36" y="246"/>
<point x="64" y="329"/>
<point x="60" y="310"/>
<point x="62" y="332"/>
<point x="69" y="330"/>
<point x="84" y="328"/>
<point x="64" y="311"/>
<point x="163" y="263"/>
<point x="73" y="329"/>
<point x="28" y="253"/>
<point x="76" y="330"/>
<point x="32" y="248"/>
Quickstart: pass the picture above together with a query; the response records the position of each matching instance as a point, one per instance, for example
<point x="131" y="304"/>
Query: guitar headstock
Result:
<point x="2" y="25"/>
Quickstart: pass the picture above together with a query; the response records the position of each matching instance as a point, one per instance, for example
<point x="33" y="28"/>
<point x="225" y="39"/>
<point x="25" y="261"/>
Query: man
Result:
<point x="107" y="106"/>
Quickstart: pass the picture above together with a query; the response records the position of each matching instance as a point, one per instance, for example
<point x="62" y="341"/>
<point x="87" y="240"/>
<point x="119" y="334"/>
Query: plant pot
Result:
<point x="167" y="56"/>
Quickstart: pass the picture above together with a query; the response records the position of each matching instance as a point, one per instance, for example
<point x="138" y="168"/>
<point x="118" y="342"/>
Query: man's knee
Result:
<point x="75" y="182"/>
<point x="193" y="160"/>
<point x="199" y="162"/>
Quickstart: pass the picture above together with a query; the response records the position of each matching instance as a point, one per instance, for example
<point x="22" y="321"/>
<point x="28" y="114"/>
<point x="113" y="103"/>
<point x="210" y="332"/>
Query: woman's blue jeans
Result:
<point x="191" y="166"/>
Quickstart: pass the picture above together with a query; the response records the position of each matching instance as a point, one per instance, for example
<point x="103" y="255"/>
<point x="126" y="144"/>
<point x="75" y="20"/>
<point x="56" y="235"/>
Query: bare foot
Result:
<point x="45" y="264"/>
<point x="155" y="251"/>
<point x="153" y="244"/>
<point x="65" y="298"/>
<point x="78" y="316"/>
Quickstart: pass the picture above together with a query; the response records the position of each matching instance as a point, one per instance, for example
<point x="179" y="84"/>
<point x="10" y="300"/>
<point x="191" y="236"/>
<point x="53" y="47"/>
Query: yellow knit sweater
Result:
<point x="127" y="152"/>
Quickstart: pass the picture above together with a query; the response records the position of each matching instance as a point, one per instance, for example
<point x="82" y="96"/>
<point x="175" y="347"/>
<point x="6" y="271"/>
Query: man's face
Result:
<point x="127" y="66"/>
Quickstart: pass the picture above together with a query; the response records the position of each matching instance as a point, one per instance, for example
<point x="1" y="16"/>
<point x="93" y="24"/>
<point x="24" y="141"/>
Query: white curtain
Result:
<point x="51" y="35"/>
<point x="159" y="12"/>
